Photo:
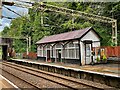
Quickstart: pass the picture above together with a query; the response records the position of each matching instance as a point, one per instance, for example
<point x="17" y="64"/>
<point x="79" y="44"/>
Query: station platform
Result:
<point x="104" y="69"/>
<point x="6" y="84"/>
<point x="108" y="69"/>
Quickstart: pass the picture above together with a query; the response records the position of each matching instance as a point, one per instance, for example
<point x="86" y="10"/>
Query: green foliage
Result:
<point x="104" y="58"/>
<point x="20" y="45"/>
<point x="55" y="23"/>
<point x="98" y="59"/>
<point x="112" y="9"/>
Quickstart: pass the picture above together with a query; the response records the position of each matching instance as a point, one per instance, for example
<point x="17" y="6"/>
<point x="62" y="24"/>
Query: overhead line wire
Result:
<point x="12" y="10"/>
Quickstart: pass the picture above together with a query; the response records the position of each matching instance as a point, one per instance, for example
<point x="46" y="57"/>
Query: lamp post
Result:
<point x="29" y="43"/>
<point x="28" y="49"/>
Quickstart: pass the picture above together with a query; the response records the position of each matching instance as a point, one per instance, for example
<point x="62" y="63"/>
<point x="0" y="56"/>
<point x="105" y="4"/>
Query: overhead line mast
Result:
<point x="43" y="7"/>
<point x="85" y="16"/>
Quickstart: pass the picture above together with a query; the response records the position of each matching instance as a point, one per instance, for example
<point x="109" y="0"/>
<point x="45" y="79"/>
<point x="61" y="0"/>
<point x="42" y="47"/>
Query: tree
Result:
<point x="55" y="23"/>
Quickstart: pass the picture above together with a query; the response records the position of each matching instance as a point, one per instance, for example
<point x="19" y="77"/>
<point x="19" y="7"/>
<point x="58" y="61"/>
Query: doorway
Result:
<point x="59" y="55"/>
<point x="4" y="52"/>
<point x="88" y="49"/>
<point x="88" y="54"/>
<point x="48" y="55"/>
<point x="0" y="52"/>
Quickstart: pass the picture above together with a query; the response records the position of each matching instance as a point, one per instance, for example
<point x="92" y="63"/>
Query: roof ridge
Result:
<point x="64" y="36"/>
<point x="67" y="32"/>
<point x="84" y="32"/>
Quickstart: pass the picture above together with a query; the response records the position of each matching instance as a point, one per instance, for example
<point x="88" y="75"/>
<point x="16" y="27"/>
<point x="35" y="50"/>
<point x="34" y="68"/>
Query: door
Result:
<point x="58" y="55"/>
<point x="0" y="52"/>
<point x="48" y="55"/>
<point x="4" y="52"/>
<point x="88" y="54"/>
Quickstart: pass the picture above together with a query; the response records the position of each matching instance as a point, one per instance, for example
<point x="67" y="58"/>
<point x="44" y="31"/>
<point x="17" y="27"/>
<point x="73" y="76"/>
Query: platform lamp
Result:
<point x="28" y="49"/>
<point x="27" y="46"/>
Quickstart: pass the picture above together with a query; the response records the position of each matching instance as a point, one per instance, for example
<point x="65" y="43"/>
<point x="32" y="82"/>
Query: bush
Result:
<point x="104" y="58"/>
<point x="98" y="59"/>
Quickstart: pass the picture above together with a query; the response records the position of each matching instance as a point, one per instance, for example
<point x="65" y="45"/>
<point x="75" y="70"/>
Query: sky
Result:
<point x="7" y="13"/>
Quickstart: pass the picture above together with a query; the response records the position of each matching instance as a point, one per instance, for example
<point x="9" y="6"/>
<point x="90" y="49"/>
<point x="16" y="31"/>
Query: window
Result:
<point x="76" y="45"/>
<point x="88" y="52"/>
<point x="66" y="53"/>
<point x="54" y="52"/>
<point x="48" y="47"/>
<point x="77" y="52"/>
<point x="71" y="53"/>
<point x="44" y="51"/>
<point x="39" y="51"/>
<point x="72" y="50"/>
<point x="51" y="53"/>
<point x="71" y="44"/>
<point x="59" y="46"/>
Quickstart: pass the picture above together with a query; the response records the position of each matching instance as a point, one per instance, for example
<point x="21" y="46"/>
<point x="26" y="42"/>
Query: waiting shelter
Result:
<point x="70" y="47"/>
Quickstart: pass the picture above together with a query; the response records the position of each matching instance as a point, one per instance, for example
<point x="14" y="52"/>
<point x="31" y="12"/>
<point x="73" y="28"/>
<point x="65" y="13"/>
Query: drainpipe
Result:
<point x="52" y="53"/>
<point x="92" y="53"/>
<point x="85" y="53"/>
<point x="79" y="52"/>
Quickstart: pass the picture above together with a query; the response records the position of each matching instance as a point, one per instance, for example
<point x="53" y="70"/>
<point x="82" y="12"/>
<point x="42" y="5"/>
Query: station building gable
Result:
<point x="70" y="47"/>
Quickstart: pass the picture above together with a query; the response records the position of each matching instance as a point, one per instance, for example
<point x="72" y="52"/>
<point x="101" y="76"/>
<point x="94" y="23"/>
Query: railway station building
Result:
<point x="70" y="47"/>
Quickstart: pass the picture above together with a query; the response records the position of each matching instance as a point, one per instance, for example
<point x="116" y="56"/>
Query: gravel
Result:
<point x="40" y="82"/>
<point x="16" y="81"/>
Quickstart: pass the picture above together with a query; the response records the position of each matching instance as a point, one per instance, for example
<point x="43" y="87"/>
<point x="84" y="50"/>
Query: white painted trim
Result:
<point x="55" y="54"/>
<point x="75" y="53"/>
<point x="46" y="53"/>
<point x="42" y="52"/>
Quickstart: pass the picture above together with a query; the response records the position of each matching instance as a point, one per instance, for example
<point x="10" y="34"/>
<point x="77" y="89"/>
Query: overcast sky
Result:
<point x="7" y="13"/>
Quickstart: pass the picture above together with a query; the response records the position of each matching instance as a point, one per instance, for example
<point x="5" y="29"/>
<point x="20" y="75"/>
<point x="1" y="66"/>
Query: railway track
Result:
<point x="20" y="80"/>
<point x="68" y="82"/>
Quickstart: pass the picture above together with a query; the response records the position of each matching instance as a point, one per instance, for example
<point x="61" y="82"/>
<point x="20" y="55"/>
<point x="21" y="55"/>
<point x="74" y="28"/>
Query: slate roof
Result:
<point x="66" y="36"/>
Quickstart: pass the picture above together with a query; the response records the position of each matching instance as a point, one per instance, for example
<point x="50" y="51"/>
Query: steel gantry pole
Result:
<point x="41" y="3"/>
<point x="29" y="44"/>
<point x="84" y="15"/>
<point x="114" y="32"/>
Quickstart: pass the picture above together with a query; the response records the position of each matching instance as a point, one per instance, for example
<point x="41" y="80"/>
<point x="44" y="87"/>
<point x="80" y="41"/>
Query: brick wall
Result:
<point x="31" y="55"/>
